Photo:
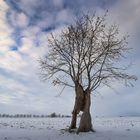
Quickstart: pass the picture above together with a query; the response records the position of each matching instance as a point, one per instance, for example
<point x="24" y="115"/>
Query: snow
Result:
<point x="121" y="128"/>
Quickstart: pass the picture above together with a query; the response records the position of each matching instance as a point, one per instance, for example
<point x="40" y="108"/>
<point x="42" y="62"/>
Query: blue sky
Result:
<point x="25" y="26"/>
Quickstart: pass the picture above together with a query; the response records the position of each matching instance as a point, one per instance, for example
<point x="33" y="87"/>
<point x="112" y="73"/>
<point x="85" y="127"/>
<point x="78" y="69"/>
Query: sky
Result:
<point x="24" y="28"/>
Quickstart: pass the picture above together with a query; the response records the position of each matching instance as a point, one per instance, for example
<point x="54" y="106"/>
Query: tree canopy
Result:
<point x="87" y="52"/>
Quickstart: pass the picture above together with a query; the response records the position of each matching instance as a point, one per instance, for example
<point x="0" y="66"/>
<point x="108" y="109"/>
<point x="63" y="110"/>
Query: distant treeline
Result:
<point x="52" y="115"/>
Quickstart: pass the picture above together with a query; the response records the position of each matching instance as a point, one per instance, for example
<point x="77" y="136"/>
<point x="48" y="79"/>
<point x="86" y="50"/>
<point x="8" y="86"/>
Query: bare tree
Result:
<point x="84" y="56"/>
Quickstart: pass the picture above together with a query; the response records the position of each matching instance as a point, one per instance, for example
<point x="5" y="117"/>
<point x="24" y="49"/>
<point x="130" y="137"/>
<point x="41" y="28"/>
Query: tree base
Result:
<point x="72" y="130"/>
<point x="76" y="130"/>
<point x="72" y="127"/>
<point x="85" y="123"/>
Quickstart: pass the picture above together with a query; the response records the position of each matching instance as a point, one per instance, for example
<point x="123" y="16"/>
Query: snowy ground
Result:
<point x="50" y="129"/>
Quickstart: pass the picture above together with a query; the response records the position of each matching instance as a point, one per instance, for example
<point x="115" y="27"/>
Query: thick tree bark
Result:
<point x="78" y="106"/>
<point x="86" y="122"/>
<point x="73" y="121"/>
<point x="82" y="103"/>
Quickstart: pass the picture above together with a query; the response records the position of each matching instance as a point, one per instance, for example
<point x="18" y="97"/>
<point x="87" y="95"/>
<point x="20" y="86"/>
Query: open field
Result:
<point x="123" y="128"/>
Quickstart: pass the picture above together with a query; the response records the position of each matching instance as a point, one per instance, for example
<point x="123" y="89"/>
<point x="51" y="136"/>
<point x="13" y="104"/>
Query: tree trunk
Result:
<point x="73" y="121"/>
<point x="78" y="106"/>
<point x="86" y="122"/>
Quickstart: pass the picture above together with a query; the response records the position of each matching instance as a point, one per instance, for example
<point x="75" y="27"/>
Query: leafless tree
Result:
<point x="84" y="56"/>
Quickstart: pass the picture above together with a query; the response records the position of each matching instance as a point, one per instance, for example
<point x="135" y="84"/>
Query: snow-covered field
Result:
<point x="50" y="129"/>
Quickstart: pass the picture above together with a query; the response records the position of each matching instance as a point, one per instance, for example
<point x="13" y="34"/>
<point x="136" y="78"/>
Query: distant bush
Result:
<point x="53" y="115"/>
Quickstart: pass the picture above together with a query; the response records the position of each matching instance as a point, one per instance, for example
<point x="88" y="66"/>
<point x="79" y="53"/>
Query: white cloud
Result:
<point x="64" y="16"/>
<point x="126" y="12"/>
<point x="12" y="61"/>
<point x="58" y="3"/>
<point x="6" y="99"/>
<point x="5" y="31"/>
<point x="21" y="20"/>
